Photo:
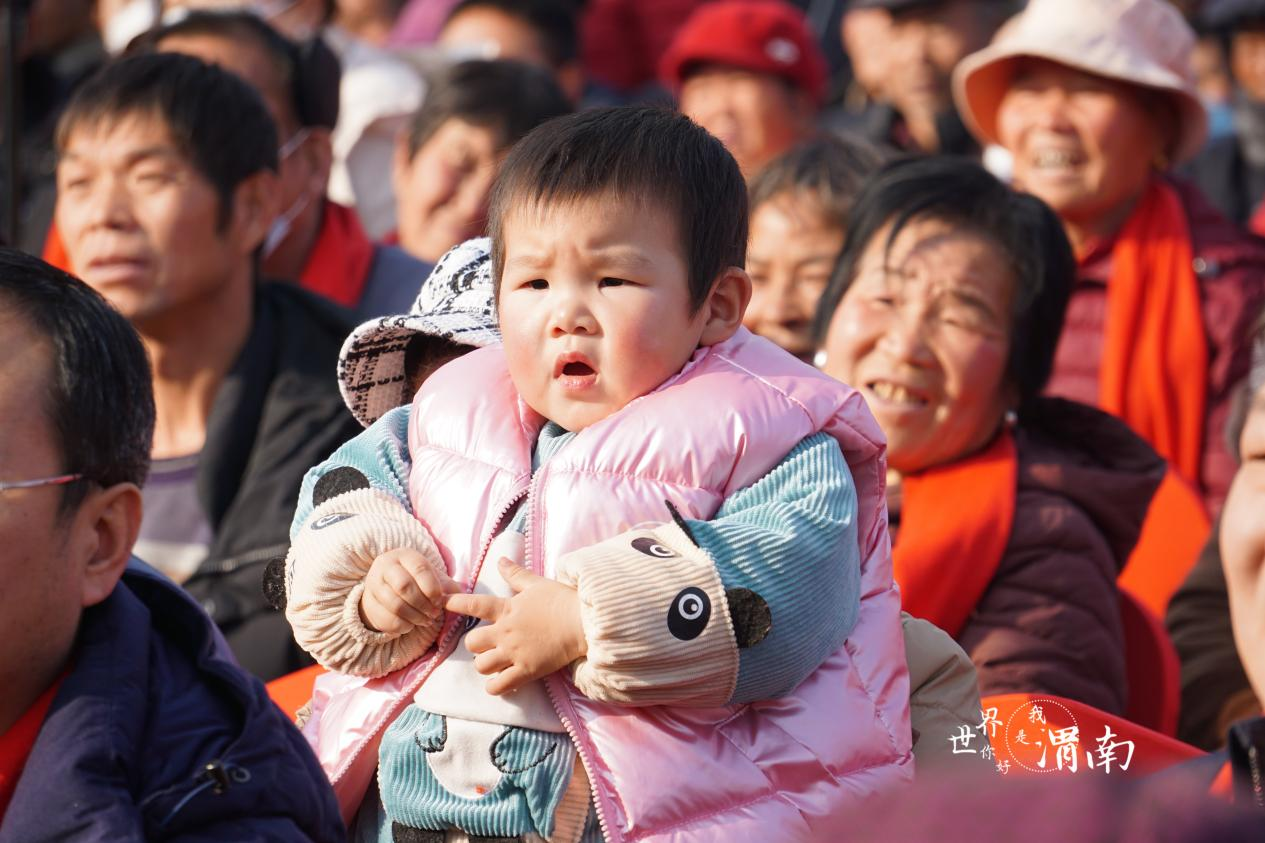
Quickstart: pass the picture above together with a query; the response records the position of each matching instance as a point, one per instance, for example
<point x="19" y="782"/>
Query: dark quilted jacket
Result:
<point x="155" y="734"/>
<point x="1230" y="264"/>
<point x="1050" y="620"/>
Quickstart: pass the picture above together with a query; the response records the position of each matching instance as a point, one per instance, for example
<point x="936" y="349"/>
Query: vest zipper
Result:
<point x="443" y="648"/>
<point x="560" y="709"/>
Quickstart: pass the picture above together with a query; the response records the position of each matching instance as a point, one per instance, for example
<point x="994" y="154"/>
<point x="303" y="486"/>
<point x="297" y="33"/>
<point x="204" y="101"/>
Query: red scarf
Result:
<point x="338" y="266"/>
<point x="955" y="522"/>
<point x="1154" y="371"/>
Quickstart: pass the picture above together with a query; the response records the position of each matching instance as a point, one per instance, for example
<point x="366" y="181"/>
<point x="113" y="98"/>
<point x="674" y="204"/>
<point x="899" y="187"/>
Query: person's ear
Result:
<point x="106" y="526"/>
<point x="318" y="150"/>
<point x="256" y="203"/>
<point x="725" y="306"/>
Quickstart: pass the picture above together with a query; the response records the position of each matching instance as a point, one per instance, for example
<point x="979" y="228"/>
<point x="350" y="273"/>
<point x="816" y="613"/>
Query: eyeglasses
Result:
<point x="59" y="480"/>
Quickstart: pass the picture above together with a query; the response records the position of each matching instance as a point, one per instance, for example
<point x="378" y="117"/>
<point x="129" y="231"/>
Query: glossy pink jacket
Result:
<point x="785" y="769"/>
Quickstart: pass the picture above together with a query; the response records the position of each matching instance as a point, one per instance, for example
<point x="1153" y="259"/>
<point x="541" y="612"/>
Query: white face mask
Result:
<point x="281" y="226"/>
<point x="135" y="17"/>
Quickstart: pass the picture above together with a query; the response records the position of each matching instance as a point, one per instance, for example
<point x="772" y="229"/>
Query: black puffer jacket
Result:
<point x="277" y="414"/>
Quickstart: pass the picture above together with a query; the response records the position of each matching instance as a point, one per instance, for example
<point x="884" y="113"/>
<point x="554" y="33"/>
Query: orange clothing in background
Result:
<point x="946" y="555"/>
<point x="1154" y="371"/>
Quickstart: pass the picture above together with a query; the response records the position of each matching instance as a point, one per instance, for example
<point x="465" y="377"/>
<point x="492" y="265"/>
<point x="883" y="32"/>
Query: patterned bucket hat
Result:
<point x="456" y="303"/>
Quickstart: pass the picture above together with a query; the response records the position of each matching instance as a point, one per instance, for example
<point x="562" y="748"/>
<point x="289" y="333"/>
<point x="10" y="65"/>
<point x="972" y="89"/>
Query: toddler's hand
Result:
<point x="403" y="591"/>
<point x="532" y="634"/>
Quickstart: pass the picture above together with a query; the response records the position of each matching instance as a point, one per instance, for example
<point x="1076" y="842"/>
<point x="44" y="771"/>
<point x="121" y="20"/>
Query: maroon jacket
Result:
<point x="1050" y="620"/>
<point x="1230" y="264"/>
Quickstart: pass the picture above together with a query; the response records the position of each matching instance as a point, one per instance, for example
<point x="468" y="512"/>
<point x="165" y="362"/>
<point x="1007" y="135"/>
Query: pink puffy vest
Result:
<point x="786" y="769"/>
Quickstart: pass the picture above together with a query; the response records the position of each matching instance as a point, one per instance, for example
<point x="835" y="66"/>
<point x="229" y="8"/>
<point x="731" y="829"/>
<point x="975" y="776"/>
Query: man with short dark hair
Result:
<point x="314" y="241"/>
<point x="923" y="41"/>
<point x="123" y="716"/>
<point x="166" y="190"/>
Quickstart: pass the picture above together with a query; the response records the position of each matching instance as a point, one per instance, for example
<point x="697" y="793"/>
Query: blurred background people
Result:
<point x="60" y="49"/>
<point x="446" y="161"/>
<point x="905" y="52"/>
<point x="167" y="188"/>
<point x="751" y="73"/>
<point x="1095" y="100"/>
<point x="800" y="205"/>
<point x="539" y="32"/>
<point x="1231" y="169"/>
<point x="377" y="92"/>
<point x="314" y="240"/>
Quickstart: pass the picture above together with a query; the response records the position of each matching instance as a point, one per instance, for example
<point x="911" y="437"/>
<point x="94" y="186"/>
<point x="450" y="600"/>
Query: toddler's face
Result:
<point x="594" y="306"/>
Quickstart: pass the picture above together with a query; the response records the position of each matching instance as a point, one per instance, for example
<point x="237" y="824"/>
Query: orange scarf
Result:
<point x="955" y="522"/>
<point x="55" y="250"/>
<point x="1155" y="354"/>
<point x="947" y="554"/>
<point x="337" y="268"/>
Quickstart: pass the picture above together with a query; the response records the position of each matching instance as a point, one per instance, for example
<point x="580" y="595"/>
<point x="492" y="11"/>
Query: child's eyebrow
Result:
<point x="526" y="262"/>
<point x="616" y="256"/>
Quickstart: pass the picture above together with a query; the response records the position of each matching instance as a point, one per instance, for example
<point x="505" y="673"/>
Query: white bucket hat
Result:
<point x="1142" y="42"/>
<point x="456" y="303"/>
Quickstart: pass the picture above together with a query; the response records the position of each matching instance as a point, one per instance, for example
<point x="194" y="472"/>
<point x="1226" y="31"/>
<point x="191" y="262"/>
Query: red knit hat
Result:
<point x="762" y="36"/>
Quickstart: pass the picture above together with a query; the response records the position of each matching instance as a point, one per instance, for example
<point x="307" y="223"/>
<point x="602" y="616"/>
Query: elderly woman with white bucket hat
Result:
<point x="1095" y="100"/>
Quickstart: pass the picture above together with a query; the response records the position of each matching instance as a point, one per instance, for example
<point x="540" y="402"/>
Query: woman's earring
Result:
<point x="819" y="359"/>
<point x="1011" y="418"/>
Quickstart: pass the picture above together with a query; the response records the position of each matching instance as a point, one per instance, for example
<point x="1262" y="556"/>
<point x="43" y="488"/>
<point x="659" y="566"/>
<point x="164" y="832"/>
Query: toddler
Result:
<point x="683" y="526"/>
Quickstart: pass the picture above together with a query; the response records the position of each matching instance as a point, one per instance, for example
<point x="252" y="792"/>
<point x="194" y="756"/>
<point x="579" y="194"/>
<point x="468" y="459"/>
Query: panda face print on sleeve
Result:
<point x="690" y="610"/>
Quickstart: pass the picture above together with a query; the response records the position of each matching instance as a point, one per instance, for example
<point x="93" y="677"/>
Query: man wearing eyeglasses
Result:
<point x="167" y="187"/>
<point x="122" y="714"/>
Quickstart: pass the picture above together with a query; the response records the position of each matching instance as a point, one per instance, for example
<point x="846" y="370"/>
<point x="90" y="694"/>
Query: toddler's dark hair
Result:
<point x="645" y="155"/>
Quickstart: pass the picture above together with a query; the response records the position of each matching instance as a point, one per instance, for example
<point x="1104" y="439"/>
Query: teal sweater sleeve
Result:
<point x="378" y="458"/>
<point x="791" y="537"/>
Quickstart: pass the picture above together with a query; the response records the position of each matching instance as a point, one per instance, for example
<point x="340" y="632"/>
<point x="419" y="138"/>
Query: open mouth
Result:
<point x="893" y="393"/>
<point x="574" y="370"/>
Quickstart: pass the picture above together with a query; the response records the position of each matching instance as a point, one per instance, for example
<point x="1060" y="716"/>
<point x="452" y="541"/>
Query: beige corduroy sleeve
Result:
<point x="656" y="621"/>
<point x="326" y="569"/>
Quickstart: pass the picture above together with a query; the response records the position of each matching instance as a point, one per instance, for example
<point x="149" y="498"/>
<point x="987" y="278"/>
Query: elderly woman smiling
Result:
<point x="1095" y="100"/>
<point x="1011" y="514"/>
